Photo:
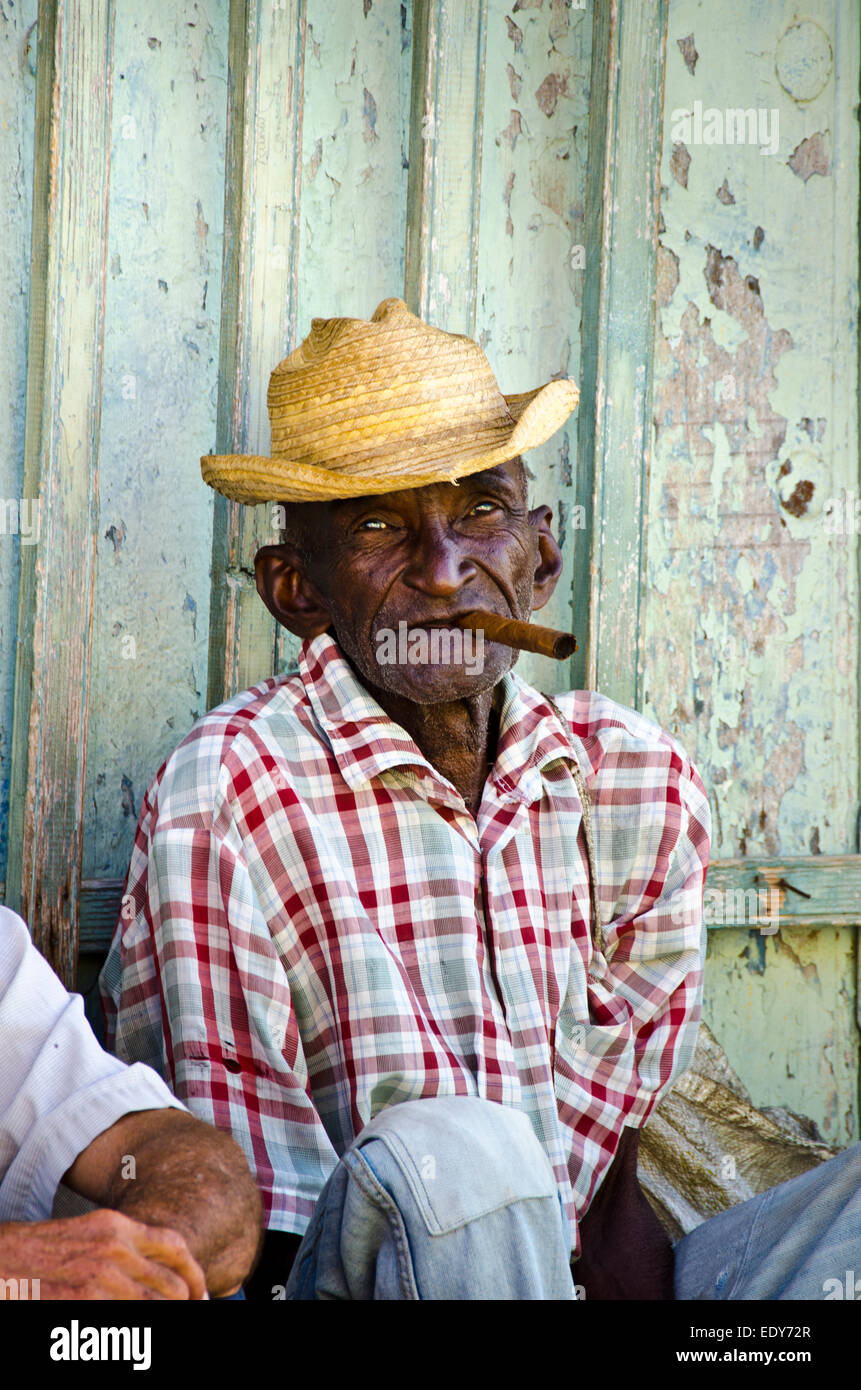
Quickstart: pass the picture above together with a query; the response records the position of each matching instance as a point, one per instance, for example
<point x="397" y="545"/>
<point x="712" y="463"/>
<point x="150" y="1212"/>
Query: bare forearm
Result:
<point x="169" y="1169"/>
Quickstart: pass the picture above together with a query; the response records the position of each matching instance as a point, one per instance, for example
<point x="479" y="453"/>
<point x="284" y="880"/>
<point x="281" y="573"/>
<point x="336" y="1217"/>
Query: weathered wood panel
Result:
<point x="782" y="1008"/>
<point x="52" y="677"/>
<point x="261" y="214"/>
<point x="315" y="208"/>
<point x="622" y="230"/>
<point x="446" y="137"/>
<point x="151" y="612"/>
<point x="751" y="639"/>
<point x="531" y="250"/>
<point x="751" y="629"/>
<point x="17" y="120"/>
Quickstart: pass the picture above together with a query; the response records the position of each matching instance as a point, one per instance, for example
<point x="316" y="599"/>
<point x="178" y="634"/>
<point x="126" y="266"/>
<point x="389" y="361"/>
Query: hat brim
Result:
<point x="252" y="478"/>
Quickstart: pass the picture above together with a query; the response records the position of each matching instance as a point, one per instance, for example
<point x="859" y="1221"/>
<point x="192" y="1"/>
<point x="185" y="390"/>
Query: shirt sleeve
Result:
<point x="194" y="985"/>
<point x="644" y="990"/>
<point x="58" y="1088"/>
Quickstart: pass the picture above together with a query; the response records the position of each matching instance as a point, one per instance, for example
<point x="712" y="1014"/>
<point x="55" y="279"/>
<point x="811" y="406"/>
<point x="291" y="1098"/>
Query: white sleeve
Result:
<point x="58" y="1088"/>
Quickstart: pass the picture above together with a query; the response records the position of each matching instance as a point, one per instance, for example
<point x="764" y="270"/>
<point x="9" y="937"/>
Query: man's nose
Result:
<point x="437" y="564"/>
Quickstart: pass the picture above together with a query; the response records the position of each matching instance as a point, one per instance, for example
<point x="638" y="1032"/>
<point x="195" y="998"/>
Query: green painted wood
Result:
<point x="751" y="629"/>
<point x="266" y="64"/>
<point x="17" y="119"/>
<point x="160" y="368"/>
<point x="815" y="891"/>
<point x="355" y="150"/>
<point x="446" y="121"/>
<point x="751" y="624"/>
<point x="52" y="679"/>
<point x="624" y="159"/>
<point x="782" y="1008"/>
<point x="532" y="238"/>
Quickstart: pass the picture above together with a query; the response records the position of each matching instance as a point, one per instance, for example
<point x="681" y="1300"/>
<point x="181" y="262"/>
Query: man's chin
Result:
<point x="436" y="685"/>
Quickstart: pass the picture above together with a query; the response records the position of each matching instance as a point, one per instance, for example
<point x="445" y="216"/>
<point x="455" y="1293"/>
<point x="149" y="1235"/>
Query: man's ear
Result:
<point x="288" y="593"/>
<point x="549" y="566"/>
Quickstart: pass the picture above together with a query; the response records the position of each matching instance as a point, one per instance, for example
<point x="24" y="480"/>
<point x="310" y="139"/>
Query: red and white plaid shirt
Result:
<point x="316" y="926"/>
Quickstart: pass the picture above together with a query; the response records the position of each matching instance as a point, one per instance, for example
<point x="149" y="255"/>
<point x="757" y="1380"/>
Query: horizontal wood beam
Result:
<point x="816" y="891"/>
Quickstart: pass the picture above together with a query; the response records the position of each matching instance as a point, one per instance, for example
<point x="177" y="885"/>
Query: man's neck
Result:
<point x="458" y="738"/>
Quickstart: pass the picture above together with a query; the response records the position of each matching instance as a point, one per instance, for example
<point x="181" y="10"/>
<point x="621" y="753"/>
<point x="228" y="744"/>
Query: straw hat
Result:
<point x="367" y="407"/>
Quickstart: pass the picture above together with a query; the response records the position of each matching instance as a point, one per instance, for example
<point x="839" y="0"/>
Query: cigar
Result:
<point x="525" y="637"/>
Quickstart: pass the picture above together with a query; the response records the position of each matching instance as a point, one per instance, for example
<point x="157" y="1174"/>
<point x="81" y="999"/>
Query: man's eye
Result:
<point x="372" y="523"/>
<point x="492" y="506"/>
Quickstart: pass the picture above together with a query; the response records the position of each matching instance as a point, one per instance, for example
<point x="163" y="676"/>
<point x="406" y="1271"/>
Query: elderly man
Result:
<point x="428" y="943"/>
<point x="363" y="933"/>
<point x="178" y="1211"/>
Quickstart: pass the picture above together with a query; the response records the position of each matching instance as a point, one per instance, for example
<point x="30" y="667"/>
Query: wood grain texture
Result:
<point x="17" y="120"/>
<point x="815" y="891"/>
<point x="446" y="127"/>
<point x="782" y="1007"/>
<point x="751" y="624"/>
<point x="751" y="627"/>
<point x="624" y="162"/>
<point x="52" y="683"/>
<point x="532" y="242"/>
<point x="261" y="246"/>
<point x="162" y="315"/>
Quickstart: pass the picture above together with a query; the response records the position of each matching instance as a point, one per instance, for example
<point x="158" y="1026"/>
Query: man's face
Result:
<point x="421" y="557"/>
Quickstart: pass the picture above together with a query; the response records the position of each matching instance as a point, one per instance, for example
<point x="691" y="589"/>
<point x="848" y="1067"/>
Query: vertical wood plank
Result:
<point x="623" y="193"/>
<point x="258" y="320"/>
<point x="531" y="244"/>
<point x="444" y="191"/>
<point x="162" y="316"/>
<point x="71" y="179"/>
<point x="17" y="117"/>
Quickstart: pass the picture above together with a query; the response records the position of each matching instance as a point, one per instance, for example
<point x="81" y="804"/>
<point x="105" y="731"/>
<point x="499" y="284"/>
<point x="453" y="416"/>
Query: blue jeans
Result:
<point x="454" y="1198"/>
<point x="799" y="1240"/>
<point x="448" y="1198"/>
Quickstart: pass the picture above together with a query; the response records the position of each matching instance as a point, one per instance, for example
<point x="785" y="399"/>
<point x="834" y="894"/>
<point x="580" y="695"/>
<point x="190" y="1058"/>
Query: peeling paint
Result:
<point x="369" y="117"/>
<point x="680" y="163"/>
<point x="811" y="157"/>
<point x="551" y="89"/>
<point x="513" y="130"/>
<point x="688" y="52"/>
<point x="116" y="535"/>
<point x="515" y="34"/>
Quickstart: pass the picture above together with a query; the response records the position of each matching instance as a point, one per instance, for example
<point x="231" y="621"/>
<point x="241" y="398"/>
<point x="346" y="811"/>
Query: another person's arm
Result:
<point x="68" y="1111"/>
<point x="188" y="1177"/>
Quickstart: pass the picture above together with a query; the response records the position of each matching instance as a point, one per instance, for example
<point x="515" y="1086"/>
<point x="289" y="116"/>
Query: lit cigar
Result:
<point x="525" y="637"/>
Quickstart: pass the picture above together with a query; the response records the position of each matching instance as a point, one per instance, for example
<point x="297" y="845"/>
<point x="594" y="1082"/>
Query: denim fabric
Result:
<point x="449" y="1198"/>
<point x="786" y="1243"/>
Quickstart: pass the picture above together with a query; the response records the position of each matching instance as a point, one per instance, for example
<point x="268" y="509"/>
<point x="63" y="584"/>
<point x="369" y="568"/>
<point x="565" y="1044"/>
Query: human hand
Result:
<point x="102" y="1255"/>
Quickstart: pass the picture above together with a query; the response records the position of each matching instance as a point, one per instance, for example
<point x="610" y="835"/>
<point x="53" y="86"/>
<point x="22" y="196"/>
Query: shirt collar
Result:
<point x="366" y="742"/>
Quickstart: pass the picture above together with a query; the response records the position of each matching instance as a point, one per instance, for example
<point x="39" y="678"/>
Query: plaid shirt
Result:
<point x="316" y="926"/>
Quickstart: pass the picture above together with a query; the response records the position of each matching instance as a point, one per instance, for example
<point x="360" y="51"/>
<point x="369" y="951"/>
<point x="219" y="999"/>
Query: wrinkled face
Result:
<point x="419" y="558"/>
